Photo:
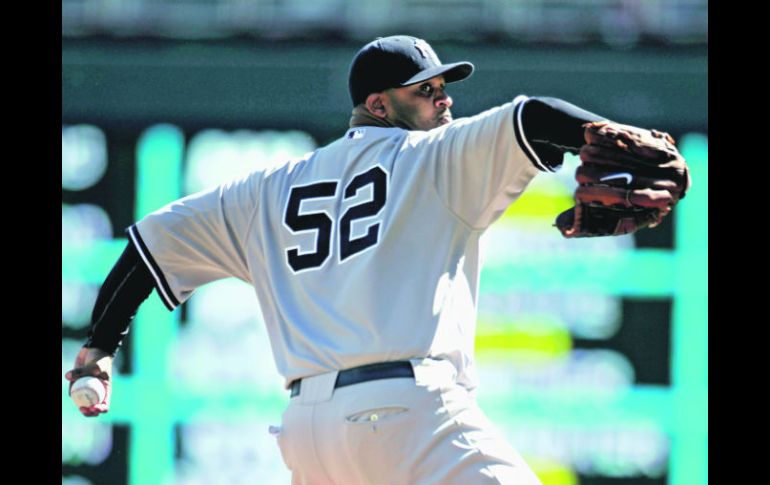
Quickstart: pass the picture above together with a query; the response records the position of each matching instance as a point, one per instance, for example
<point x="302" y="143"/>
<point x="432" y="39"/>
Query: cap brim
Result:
<point x="452" y="72"/>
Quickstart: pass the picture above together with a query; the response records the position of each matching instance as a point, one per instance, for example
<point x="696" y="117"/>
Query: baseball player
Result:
<point x="365" y="258"/>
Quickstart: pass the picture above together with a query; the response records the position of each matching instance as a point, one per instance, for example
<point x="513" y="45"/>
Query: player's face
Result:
<point x="421" y="106"/>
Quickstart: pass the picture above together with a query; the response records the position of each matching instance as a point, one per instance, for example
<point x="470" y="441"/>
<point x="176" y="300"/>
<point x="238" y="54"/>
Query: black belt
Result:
<point x="371" y="372"/>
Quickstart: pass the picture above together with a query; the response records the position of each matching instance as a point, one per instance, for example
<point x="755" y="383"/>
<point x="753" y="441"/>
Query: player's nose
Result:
<point x="444" y="101"/>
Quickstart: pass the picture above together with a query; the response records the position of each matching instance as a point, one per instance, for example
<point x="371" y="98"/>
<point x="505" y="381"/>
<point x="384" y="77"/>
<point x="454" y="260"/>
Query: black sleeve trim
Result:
<point x="161" y="285"/>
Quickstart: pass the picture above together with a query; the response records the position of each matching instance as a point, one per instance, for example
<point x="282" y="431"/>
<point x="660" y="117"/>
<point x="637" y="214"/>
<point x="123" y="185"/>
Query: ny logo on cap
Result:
<point x="426" y="51"/>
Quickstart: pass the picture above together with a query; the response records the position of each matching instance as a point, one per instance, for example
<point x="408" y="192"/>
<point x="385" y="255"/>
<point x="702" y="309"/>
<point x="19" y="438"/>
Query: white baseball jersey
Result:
<point x="365" y="250"/>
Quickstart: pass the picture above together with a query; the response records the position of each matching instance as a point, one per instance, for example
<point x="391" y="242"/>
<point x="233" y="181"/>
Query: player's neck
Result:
<point x="362" y="117"/>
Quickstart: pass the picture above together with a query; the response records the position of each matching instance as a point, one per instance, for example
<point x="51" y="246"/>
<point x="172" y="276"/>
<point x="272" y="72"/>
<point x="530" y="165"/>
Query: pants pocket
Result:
<point x="376" y="415"/>
<point x="378" y="444"/>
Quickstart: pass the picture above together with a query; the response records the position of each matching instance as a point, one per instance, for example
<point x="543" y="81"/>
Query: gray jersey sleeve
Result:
<point x="477" y="165"/>
<point x="198" y="239"/>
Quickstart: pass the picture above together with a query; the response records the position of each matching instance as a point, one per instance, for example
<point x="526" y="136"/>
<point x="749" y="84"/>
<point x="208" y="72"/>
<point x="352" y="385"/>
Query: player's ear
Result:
<point x="375" y="105"/>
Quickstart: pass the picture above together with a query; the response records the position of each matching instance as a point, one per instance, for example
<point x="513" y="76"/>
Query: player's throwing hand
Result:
<point x="97" y="363"/>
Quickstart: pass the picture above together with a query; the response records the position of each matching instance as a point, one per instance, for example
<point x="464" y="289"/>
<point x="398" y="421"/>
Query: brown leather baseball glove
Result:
<point x="630" y="178"/>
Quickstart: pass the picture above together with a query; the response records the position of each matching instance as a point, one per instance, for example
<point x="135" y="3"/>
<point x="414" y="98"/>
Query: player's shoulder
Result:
<point x="355" y="147"/>
<point x="354" y="142"/>
<point x="489" y="118"/>
<point x="495" y="114"/>
<point x="289" y="164"/>
<point x="364" y="135"/>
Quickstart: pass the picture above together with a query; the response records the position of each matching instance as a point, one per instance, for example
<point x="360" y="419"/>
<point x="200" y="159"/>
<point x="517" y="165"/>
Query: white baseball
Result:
<point x="87" y="391"/>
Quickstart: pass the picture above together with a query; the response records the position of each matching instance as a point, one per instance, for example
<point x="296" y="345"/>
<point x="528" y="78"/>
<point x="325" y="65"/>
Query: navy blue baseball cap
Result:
<point x="396" y="61"/>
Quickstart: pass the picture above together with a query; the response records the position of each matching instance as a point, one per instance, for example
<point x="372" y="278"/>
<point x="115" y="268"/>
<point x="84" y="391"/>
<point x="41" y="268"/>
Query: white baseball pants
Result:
<point x="400" y="431"/>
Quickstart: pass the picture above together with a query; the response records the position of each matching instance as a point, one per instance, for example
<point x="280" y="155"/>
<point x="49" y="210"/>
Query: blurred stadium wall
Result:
<point x="593" y="354"/>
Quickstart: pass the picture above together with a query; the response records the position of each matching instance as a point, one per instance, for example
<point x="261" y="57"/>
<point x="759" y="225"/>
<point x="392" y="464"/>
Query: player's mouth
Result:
<point x="444" y="120"/>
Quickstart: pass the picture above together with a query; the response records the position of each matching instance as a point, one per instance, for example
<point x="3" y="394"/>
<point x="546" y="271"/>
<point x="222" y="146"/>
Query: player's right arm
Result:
<point x="128" y="284"/>
<point x="200" y="238"/>
<point x="184" y="245"/>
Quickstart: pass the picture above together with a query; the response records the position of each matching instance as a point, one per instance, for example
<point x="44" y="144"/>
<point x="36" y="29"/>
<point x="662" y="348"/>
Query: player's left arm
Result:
<point x="547" y="128"/>
<point x="481" y="164"/>
<point x="629" y="178"/>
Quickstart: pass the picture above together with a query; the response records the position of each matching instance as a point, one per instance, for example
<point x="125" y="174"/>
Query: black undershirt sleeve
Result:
<point x="126" y="287"/>
<point x="553" y="127"/>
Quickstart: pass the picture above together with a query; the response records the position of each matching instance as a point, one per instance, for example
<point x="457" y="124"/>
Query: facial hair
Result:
<point x="407" y="117"/>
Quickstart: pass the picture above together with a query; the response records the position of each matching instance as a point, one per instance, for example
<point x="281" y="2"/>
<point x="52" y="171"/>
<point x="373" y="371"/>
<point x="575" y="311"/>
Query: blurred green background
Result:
<point x="593" y="354"/>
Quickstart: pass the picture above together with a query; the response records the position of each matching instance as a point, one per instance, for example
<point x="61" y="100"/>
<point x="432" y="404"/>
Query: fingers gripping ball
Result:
<point x="88" y="391"/>
<point x="629" y="178"/>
